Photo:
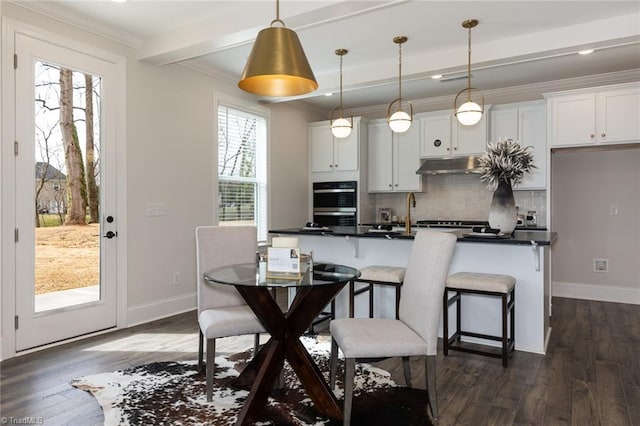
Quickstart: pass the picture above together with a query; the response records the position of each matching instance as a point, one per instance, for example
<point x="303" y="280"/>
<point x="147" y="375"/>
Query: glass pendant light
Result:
<point x="340" y="127"/>
<point x="469" y="113"/>
<point x="277" y="65"/>
<point x="399" y="121"/>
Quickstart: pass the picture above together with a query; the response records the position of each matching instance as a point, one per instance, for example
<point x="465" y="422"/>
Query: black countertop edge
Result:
<point x="542" y="238"/>
<point x="418" y="225"/>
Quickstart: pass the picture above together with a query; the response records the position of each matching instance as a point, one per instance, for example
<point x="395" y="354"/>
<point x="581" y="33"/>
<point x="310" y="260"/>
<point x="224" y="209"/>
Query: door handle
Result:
<point x="110" y="234"/>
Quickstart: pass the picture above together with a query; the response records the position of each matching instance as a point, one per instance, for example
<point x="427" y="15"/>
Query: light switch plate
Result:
<point x="156" y="209"/>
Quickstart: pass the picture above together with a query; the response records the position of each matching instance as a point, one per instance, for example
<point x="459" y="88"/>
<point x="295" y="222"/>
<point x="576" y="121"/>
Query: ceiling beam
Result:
<point x="240" y="28"/>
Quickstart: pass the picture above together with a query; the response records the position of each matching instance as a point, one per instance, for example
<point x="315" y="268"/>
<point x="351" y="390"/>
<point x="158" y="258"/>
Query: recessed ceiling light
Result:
<point x="436" y="76"/>
<point x="585" y="52"/>
<point x="119" y="1"/>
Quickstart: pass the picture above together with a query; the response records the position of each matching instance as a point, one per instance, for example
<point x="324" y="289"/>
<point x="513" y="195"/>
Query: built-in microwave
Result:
<point x="335" y="203"/>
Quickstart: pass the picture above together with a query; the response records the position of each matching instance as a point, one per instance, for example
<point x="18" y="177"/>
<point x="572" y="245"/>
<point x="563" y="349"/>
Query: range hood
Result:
<point x="454" y="165"/>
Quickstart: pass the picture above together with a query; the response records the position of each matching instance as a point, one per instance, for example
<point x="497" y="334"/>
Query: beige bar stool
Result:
<point x="376" y="275"/>
<point x="502" y="286"/>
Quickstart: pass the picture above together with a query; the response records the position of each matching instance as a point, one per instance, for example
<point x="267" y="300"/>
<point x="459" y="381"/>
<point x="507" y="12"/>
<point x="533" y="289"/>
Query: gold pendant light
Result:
<point x="469" y="113"/>
<point x="340" y="127"/>
<point x="399" y="121"/>
<point x="277" y="65"/>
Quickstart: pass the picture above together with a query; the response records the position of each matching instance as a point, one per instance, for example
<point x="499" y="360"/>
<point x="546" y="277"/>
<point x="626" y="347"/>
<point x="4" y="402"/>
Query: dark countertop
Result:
<point x="543" y="238"/>
<point x="417" y="225"/>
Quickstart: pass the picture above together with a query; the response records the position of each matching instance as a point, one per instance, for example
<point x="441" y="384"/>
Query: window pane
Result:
<point x="242" y="180"/>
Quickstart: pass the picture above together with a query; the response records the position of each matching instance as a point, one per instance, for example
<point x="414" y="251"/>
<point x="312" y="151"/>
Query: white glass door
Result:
<point x="65" y="193"/>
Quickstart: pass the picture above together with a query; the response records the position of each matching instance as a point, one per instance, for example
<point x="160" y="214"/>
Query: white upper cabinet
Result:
<point x="436" y="131"/>
<point x="330" y="154"/>
<point x="525" y="123"/>
<point x="599" y="116"/>
<point x="393" y="158"/>
<point x="443" y="136"/>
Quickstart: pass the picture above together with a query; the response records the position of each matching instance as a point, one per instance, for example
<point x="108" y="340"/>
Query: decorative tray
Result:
<point x="486" y="235"/>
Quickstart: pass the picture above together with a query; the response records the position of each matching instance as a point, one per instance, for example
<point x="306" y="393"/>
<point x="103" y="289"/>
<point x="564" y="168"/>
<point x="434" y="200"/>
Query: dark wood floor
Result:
<point x="590" y="375"/>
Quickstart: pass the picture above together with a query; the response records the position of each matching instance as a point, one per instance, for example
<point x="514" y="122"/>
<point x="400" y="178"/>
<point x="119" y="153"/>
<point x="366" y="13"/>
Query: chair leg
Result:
<point x="430" y="366"/>
<point x="406" y="367"/>
<point x="211" y="355"/>
<point x="334" y="364"/>
<point x="349" y="373"/>
<point x="256" y="344"/>
<point x="200" y="350"/>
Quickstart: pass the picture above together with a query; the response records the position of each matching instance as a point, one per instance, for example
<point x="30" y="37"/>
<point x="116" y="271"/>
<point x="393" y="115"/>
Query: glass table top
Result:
<point x="252" y="274"/>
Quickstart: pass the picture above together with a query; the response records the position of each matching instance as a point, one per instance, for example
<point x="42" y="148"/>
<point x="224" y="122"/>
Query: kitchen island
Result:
<point x="524" y="255"/>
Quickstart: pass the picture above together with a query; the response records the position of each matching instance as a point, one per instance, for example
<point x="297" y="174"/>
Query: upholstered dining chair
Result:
<point x="222" y="312"/>
<point x="415" y="333"/>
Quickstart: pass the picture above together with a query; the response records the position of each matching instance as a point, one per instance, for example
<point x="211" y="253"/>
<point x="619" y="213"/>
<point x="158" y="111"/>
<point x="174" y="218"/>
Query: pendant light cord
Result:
<point x="400" y="75"/>
<point x="341" y="84"/>
<point x="469" y="68"/>
<point x="278" y="20"/>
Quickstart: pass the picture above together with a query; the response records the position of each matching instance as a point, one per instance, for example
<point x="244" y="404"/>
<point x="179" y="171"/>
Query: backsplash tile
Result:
<point x="458" y="197"/>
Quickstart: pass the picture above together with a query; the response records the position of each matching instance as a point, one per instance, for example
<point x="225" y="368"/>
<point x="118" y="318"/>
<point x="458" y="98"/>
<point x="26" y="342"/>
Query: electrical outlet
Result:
<point x="613" y="210"/>
<point x="600" y="265"/>
<point x="176" y="278"/>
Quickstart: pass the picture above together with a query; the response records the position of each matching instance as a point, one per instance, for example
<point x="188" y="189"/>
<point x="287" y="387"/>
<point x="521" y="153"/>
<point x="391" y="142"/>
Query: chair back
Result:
<point x="218" y="246"/>
<point x="424" y="282"/>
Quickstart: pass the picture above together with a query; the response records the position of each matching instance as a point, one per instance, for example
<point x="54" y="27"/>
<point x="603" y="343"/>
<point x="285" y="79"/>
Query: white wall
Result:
<point x="584" y="187"/>
<point x="170" y="159"/>
<point x="289" y="153"/>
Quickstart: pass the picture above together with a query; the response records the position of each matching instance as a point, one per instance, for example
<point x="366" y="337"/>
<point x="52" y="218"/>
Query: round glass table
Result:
<point x="315" y="288"/>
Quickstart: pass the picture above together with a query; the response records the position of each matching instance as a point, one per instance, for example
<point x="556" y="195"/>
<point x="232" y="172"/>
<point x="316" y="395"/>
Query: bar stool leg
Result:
<point x="458" y="315"/>
<point x="351" y="297"/>
<point x="370" y="300"/>
<point x="505" y="343"/>
<point x="445" y="323"/>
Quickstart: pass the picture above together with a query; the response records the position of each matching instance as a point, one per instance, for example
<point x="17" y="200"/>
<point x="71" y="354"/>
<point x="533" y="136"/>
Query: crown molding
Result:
<point x="511" y="94"/>
<point x="53" y="11"/>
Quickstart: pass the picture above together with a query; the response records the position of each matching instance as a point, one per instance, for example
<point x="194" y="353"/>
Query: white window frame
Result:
<point x="262" y="204"/>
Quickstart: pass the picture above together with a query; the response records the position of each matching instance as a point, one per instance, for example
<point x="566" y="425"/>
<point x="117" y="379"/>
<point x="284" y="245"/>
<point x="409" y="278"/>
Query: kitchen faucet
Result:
<point x="407" y="223"/>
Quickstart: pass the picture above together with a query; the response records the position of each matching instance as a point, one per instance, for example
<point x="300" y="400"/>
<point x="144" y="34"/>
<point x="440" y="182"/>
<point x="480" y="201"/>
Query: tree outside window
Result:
<point x="242" y="177"/>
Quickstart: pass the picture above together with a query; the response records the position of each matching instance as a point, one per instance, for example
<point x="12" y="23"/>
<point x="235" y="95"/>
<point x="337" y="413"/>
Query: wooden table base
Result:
<point x="285" y="330"/>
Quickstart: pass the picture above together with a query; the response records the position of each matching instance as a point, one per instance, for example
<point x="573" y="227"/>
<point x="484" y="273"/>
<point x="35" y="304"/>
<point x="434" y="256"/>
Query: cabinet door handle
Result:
<point x="330" y="166"/>
<point x="336" y="166"/>
<point x="390" y="186"/>
<point x="447" y="149"/>
<point x="592" y="136"/>
<point x="455" y="148"/>
<point x="603" y="135"/>
<point x="396" y="184"/>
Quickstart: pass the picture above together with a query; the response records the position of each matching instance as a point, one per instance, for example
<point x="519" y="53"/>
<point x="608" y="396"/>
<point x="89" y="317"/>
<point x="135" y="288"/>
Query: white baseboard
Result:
<point x="597" y="292"/>
<point x="140" y="314"/>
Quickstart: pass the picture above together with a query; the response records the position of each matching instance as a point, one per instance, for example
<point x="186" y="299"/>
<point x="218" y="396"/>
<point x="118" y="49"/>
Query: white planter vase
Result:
<point x="503" y="214"/>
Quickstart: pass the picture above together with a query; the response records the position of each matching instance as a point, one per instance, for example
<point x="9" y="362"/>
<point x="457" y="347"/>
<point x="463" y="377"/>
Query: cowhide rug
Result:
<point x="173" y="393"/>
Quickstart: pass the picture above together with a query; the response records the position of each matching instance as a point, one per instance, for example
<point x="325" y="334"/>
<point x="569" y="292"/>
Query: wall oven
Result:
<point x="335" y="203"/>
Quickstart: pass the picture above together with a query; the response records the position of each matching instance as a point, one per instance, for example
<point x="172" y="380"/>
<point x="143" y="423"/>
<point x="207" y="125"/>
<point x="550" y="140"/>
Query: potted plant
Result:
<point x="504" y="165"/>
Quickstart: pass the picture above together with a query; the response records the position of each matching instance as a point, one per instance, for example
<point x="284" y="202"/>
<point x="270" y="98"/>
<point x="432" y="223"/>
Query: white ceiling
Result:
<point x="516" y="42"/>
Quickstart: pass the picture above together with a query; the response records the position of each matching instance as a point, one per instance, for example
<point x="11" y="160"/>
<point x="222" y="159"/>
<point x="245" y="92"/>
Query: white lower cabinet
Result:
<point x="393" y="158"/>
<point x="525" y="123"/>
